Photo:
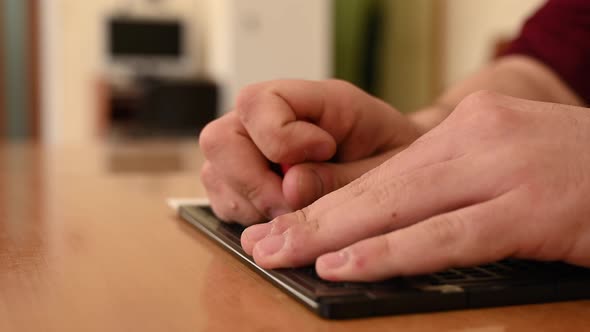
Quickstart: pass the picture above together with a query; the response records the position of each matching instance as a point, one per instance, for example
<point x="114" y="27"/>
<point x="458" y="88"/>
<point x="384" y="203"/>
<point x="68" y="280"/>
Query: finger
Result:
<point x="227" y="204"/>
<point x="424" y="152"/>
<point x="377" y="205"/>
<point x="473" y="235"/>
<point x="293" y="121"/>
<point x="304" y="183"/>
<point x="242" y="167"/>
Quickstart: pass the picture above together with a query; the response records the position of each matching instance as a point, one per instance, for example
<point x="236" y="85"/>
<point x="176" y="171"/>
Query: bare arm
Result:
<point x="517" y="76"/>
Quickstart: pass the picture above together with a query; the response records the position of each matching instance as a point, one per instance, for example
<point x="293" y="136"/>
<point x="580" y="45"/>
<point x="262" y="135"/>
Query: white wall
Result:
<point x="234" y="41"/>
<point x="259" y="40"/>
<point x="472" y="26"/>
<point x="51" y="96"/>
<point x="73" y="52"/>
<point x="73" y="58"/>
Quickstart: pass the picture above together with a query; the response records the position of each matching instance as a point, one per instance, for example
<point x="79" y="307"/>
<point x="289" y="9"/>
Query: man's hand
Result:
<point x="330" y="132"/>
<point x="500" y="177"/>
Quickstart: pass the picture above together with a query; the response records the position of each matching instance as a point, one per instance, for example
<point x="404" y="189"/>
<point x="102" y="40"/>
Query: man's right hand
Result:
<point x="330" y="132"/>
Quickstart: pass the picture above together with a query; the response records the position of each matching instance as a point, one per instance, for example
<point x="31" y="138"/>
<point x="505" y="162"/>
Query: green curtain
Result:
<point x="357" y="38"/>
<point x="386" y="48"/>
<point x="15" y="55"/>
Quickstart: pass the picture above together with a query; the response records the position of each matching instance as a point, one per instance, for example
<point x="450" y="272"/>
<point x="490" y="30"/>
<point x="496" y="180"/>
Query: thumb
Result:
<point x="304" y="183"/>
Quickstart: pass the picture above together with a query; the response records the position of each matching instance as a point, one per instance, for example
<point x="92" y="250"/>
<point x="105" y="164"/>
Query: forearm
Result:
<point x="517" y="76"/>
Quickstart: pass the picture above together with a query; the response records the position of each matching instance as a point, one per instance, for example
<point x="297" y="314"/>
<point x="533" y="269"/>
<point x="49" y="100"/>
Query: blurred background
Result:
<point x="77" y="72"/>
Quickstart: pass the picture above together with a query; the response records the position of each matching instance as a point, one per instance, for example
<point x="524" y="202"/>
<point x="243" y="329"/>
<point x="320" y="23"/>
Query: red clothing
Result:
<point x="559" y="36"/>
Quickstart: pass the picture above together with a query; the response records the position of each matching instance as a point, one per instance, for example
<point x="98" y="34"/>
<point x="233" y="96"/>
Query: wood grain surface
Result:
<point x="89" y="245"/>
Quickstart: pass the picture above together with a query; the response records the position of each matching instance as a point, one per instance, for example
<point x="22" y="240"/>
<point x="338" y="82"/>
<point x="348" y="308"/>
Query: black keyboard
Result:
<point x="507" y="282"/>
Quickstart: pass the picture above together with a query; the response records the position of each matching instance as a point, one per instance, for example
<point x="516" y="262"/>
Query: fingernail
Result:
<point x="256" y="233"/>
<point x="317" y="184"/>
<point x="334" y="260"/>
<point x="270" y="245"/>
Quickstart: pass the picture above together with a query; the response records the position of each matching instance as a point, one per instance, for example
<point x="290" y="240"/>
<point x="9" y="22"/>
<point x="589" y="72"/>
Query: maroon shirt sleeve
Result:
<point x="559" y="36"/>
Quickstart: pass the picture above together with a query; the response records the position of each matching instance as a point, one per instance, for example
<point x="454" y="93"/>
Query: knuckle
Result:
<point x="483" y="109"/>
<point x="477" y="104"/>
<point x="302" y="245"/>
<point x="361" y="185"/>
<point x="498" y="118"/>
<point x="377" y="188"/>
<point x="248" y="106"/>
<point x="250" y="191"/>
<point x="382" y="195"/>
<point x="207" y="176"/>
<point x="259" y="195"/>
<point x="447" y="230"/>
<point x="248" y="94"/>
<point x="381" y="190"/>
<point x="311" y="224"/>
<point x="276" y="149"/>
<point x="211" y="138"/>
<point x="247" y="101"/>
<point x="340" y="84"/>
<point x="300" y="227"/>
<point x="235" y="213"/>
<point x="350" y="95"/>
<point x="281" y="224"/>
<point x="222" y="213"/>
<point x="477" y="100"/>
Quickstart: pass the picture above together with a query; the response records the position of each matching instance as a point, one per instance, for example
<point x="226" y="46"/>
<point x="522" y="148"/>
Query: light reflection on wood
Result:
<point x="86" y="249"/>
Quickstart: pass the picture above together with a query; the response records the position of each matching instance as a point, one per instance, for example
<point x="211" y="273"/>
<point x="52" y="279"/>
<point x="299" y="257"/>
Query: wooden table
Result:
<point x="87" y="243"/>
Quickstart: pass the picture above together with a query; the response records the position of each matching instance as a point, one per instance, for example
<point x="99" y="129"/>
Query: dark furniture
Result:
<point x="156" y="107"/>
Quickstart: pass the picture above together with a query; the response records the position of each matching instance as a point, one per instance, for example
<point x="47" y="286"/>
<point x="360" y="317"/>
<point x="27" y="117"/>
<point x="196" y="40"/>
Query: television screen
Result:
<point x="145" y="38"/>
